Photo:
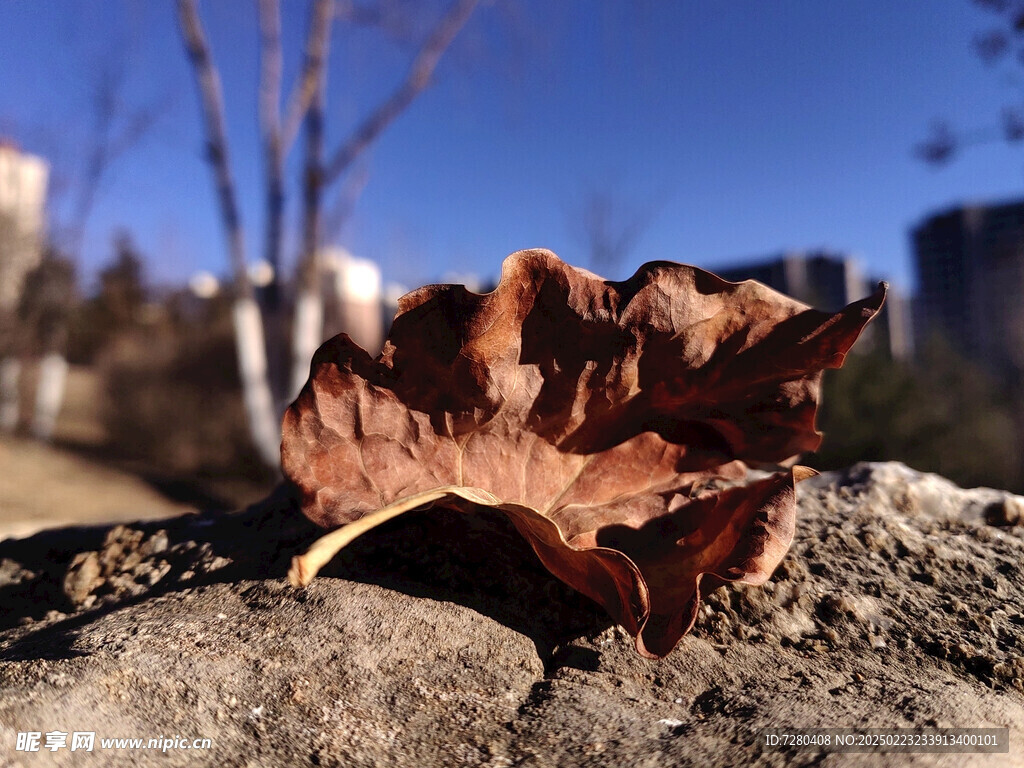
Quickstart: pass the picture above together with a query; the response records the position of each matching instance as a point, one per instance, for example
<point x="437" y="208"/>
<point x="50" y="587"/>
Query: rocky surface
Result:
<point x="438" y="639"/>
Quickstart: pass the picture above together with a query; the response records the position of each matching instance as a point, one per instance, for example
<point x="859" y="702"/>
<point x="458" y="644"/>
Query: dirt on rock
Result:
<point x="439" y="639"/>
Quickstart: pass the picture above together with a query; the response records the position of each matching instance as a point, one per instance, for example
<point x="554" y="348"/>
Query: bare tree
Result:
<point x="418" y="78"/>
<point x="308" y="324"/>
<point x="304" y="105"/>
<point x="249" y="341"/>
<point x="609" y="227"/>
<point x="1003" y="43"/>
<point x="320" y="174"/>
<point x="46" y="309"/>
<point x="306" y="102"/>
<point x="270" y="125"/>
<point x="114" y="131"/>
<point x="279" y="133"/>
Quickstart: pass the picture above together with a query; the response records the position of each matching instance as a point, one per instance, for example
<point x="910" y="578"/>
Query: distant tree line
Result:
<point x="940" y="413"/>
<point x="167" y="362"/>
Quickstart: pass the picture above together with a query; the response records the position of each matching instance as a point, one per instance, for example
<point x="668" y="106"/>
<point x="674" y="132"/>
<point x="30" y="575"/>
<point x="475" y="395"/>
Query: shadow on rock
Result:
<point x="68" y="578"/>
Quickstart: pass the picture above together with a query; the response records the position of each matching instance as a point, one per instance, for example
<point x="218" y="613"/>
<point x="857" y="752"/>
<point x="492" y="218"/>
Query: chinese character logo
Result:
<point x="28" y="741"/>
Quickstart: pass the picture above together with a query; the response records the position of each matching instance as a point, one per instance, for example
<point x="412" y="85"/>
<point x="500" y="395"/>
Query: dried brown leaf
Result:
<point x="593" y="413"/>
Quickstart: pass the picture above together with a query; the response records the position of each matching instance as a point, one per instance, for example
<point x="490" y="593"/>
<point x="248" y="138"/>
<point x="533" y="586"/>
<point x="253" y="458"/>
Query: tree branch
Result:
<point x="107" y="143"/>
<point x="416" y="81"/>
<point x="317" y="46"/>
<point x="312" y="186"/>
<point x="270" y="66"/>
<point x="212" y="104"/>
<point x="270" y="127"/>
<point x="381" y="15"/>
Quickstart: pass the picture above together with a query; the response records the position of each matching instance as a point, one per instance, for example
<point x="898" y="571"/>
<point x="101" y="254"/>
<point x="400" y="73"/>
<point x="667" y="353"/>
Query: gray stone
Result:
<point x="439" y="640"/>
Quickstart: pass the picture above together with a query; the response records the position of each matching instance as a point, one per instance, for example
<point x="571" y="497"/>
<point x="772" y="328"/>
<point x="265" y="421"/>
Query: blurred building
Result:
<point x="829" y="281"/>
<point x="23" y="180"/>
<point x="970" y="267"/>
<point x="354" y="298"/>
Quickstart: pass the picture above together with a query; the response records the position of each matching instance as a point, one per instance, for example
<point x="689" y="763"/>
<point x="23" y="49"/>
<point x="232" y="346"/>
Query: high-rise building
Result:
<point x="970" y="267"/>
<point x="829" y="281"/>
<point x="22" y="202"/>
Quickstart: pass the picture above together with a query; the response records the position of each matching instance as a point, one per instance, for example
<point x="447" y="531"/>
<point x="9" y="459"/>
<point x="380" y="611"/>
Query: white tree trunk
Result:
<point x="307" y="333"/>
<point x="53" y="375"/>
<point x="10" y="374"/>
<point x="252" y="369"/>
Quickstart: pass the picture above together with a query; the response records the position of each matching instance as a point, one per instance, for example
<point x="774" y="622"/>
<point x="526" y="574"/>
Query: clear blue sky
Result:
<point x="747" y="127"/>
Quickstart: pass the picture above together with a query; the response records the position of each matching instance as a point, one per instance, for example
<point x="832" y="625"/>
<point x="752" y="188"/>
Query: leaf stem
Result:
<point x="306" y="566"/>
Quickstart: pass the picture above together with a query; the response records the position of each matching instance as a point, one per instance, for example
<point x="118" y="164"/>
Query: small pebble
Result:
<point x="158" y="543"/>
<point x="83" y="576"/>
<point x="1008" y="511"/>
